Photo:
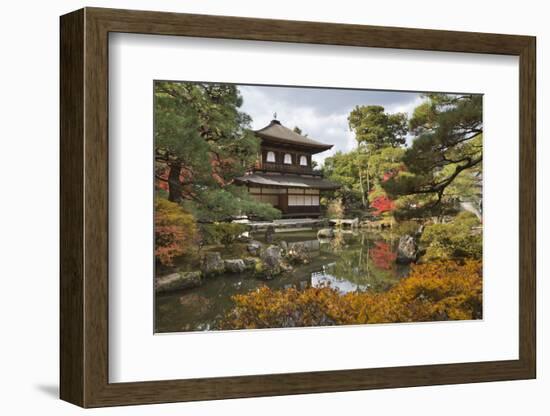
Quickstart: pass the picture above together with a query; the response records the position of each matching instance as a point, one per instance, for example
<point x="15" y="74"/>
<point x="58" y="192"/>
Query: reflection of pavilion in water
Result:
<point x="325" y="276"/>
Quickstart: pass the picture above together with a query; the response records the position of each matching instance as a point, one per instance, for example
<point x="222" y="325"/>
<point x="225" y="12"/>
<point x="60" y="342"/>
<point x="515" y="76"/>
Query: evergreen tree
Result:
<point x="376" y="129"/>
<point x="202" y="143"/>
<point x="375" y="132"/>
<point x="445" y="158"/>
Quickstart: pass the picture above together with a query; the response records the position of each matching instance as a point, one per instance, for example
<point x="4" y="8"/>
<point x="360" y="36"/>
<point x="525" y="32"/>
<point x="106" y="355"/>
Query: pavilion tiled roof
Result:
<point x="276" y="132"/>
<point x="287" y="180"/>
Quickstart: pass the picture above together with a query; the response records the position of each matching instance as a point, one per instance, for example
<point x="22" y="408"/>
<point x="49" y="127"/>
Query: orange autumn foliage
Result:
<point x="437" y="291"/>
<point x="176" y="232"/>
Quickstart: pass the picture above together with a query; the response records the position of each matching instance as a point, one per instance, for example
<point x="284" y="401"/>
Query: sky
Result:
<point x="321" y="113"/>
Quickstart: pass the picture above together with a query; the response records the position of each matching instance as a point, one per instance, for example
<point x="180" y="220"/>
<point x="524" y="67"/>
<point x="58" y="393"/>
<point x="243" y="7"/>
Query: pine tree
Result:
<point x="202" y="143"/>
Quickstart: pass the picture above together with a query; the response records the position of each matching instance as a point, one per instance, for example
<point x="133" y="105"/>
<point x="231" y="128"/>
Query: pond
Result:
<point x="349" y="262"/>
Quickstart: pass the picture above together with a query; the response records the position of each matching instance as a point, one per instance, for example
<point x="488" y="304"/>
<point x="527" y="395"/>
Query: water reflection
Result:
<point x="364" y="262"/>
<point x="325" y="278"/>
<point x="348" y="262"/>
<point x="309" y="245"/>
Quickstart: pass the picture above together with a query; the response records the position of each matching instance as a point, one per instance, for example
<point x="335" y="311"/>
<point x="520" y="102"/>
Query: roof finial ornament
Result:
<point x="275" y="116"/>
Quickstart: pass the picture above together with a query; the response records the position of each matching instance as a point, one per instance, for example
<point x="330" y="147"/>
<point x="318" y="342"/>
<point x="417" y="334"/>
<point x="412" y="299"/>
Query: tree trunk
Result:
<point x="368" y="182"/>
<point x="363" y="200"/>
<point x="174" y="184"/>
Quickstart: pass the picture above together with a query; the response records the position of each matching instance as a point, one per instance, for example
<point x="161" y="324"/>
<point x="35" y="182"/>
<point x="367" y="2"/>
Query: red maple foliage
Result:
<point x="382" y="255"/>
<point x="161" y="178"/>
<point x="382" y="204"/>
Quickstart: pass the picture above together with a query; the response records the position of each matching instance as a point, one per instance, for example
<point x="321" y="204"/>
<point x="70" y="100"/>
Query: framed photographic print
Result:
<point x="255" y="207"/>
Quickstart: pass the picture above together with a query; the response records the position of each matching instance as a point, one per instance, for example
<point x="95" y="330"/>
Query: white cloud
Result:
<point x="405" y="107"/>
<point x="327" y="127"/>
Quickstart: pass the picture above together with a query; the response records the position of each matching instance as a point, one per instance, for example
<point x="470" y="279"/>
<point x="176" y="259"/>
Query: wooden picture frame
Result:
<point x="84" y="207"/>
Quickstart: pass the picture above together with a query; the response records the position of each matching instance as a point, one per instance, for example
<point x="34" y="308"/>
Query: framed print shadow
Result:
<point x="254" y="207"/>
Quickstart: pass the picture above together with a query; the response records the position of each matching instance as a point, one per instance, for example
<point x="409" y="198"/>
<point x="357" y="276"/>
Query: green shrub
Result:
<point x="455" y="240"/>
<point x="222" y="232"/>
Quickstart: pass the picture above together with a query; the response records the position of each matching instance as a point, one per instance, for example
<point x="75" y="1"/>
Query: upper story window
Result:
<point x="303" y="161"/>
<point x="270" y="157"/>
<point x="288" y="159"/>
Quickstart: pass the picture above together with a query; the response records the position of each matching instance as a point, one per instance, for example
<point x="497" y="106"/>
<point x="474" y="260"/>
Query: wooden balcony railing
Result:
<point x="281" y="167"/>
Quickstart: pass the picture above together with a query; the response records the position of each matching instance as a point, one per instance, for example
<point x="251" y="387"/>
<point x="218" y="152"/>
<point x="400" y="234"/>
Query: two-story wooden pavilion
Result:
<point x="284" y="176"/>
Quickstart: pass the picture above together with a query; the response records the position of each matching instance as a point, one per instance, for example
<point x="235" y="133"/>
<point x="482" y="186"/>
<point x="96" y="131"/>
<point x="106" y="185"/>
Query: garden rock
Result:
<point x="251" y="263"/>
<point x="406" y="250"/>
<point x="178" y="281"/>
<point x="213" y="264"/>
<point x="273" y="263"/>
<point x="234" y="266"/>
<point x="298" y="254"/>
<point x="254" y="247"/>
